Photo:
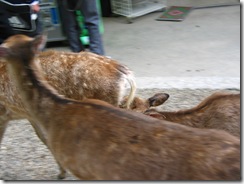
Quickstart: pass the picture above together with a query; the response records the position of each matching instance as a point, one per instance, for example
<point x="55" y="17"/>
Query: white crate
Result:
<point x="135" y="8"/>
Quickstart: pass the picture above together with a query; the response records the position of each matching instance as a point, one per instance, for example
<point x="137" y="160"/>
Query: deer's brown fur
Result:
<point x="97" y="141"/>
<point x="74" y="75"/>
<point x="218" y="111"/>
<point x="91" y="76"/>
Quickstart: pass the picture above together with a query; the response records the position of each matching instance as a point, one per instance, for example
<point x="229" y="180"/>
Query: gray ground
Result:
<point x="24" y="157"/>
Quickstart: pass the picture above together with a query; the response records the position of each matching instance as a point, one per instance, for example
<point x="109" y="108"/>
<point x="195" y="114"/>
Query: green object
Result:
<point x="84" y="37"/>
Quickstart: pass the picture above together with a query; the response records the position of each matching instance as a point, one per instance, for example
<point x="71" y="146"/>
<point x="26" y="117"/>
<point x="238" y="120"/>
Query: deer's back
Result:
<point x="76" y="76"/>
<point x="131" y="146"/>
<point x="225" y="114"/>
<point x="79" y="75"/>
<point x="218" y="111"/>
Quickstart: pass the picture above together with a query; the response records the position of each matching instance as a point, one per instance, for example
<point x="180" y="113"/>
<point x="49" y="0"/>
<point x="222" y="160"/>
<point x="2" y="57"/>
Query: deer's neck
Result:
<point x="186" y="117"/>
<point x="38" y="97"/>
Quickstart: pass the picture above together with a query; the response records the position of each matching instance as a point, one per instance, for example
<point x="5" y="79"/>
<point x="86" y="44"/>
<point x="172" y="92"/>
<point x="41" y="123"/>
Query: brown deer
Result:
<point x="91" y="76"/>
<point x="220" y="110"/>
<point x="141" y="105"/>
<point x="70" y="73"/>
<point x="76" y="76"/>
<point x="97" y="141"/>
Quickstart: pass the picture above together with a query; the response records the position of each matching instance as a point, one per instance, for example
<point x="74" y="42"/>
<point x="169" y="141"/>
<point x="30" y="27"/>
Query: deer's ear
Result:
<point x="157" y="99"/>
<point x="3" y="51"/>
<point x="39" y="42"/>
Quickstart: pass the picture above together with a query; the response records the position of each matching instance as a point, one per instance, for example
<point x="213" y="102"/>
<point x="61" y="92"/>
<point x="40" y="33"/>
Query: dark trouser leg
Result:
<point x="91" y="15"/>
<point x="71" y="28"/>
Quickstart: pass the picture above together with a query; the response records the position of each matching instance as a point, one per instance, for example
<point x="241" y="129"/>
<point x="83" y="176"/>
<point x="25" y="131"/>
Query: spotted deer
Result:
<point x="221" y="110"/>
<point x="76" y="76"/>
<point x="97" y="141"/>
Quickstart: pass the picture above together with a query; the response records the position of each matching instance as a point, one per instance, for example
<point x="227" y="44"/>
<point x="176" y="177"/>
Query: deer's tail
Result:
<point x="129" y="76"/>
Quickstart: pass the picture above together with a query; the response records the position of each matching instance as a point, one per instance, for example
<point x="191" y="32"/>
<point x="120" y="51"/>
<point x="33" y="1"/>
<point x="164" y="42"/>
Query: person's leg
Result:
<point x="39" y="26"/>
<point x="37" y="31"/>
<point x="71" y="27"/>
<point x="91" y="16"/>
